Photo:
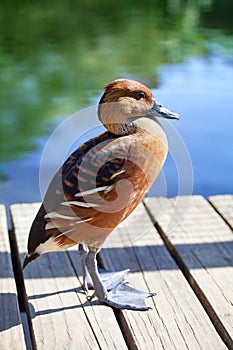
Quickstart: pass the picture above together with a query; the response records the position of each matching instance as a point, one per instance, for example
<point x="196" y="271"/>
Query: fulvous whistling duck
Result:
<point x="101" y="183"/>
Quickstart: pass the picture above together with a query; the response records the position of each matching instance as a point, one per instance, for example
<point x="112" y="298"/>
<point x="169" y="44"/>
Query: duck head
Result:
<point x="126" y="101"/>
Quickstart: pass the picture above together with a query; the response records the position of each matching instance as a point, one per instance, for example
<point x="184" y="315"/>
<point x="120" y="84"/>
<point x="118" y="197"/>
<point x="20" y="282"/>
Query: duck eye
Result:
<point x="140" y="95"/>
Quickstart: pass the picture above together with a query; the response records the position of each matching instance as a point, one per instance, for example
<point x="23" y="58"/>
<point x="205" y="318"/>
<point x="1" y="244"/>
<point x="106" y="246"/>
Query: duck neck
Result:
<point x="122" y="128"/>
<point x="149" y="125"/>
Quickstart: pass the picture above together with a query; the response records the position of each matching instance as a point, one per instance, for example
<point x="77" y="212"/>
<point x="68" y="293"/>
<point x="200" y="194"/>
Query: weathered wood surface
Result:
<point x="11" y="329"/>
<point x="224" y="205"/>
<point x="62" y="318"/>
<point x="186" y="258"/>
<point x="177" y="320"/>
<point x="202" y="244"/>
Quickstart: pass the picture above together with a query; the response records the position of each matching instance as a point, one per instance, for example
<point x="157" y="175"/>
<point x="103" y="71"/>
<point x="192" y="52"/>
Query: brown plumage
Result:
<point x="104" y="180"/>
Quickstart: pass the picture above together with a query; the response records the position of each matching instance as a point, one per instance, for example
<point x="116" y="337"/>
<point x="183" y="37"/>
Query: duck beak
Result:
<point x="161" y="112"/>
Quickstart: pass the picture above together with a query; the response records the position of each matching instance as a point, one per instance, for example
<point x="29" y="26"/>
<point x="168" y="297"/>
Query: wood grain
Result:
<point x="224" y="206"/>
<point x="62" y="318"/>
<point x="11" y="329"/>
<point x="201" y="242"/>
<point x="177" y="320"/>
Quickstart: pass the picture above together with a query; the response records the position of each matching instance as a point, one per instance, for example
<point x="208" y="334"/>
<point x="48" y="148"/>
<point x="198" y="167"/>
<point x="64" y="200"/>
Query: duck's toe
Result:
<point x="112" y="279"/>
<point x="123" y="296"/>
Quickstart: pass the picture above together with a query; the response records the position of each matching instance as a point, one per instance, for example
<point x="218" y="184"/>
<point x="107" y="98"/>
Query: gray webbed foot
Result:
<point x="123" y="296"/>
<point x="118" y="295"/>
<point x="109" y="279"/>
<point x="112" y="279"/>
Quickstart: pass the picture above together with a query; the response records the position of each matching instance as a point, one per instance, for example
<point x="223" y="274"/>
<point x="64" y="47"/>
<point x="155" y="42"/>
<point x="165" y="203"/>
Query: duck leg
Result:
<point x="121" y="296"/>
<point x="87" y="282"/>
<point x="109" y="279"/>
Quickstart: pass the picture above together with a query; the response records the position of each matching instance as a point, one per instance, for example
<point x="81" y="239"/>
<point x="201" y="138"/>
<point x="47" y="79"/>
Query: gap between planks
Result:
<point x="159" y="330"/>
<point x="223" y="204"/>
<point x="171" y="324"/>
<point x="188" y="244"/>
<point x="60" y="315"/>
<point x="11" y="322"/>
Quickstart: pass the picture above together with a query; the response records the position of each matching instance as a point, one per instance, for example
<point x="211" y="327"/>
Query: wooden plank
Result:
<point x="201" y="242"/>
<point x="11" y="329"/>
<point x="224" y="206"/>
<point x="177" y="320"/>
<point x="62" y="318"/>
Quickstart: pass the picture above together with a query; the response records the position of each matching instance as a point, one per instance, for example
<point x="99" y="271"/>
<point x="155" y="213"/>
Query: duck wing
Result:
<point x="87" y="198"/>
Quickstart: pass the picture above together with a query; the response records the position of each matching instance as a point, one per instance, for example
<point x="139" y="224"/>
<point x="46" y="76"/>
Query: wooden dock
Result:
<point x="180" y="248"/>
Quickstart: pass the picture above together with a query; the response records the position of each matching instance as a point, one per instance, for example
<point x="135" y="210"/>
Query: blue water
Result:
<point x="200" y="90"/>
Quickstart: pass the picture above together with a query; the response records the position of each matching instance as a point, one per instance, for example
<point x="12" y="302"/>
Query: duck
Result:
<point x="99" y="186"/>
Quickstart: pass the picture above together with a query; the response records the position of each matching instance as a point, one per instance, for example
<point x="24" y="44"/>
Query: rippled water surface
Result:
<point x="56" y="58"/>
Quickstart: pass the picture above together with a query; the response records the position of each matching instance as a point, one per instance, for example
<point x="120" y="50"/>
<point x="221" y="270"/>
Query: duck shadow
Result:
<point x="66" y="264"/>
<point x="45" y="295"/>
<point x="63" y="308"/>
<point x="152" y="258"/>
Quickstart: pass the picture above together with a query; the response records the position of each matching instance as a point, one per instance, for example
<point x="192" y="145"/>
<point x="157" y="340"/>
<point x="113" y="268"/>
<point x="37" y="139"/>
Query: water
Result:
<point x="201" y="91"/>
<point x="56" y="58"/>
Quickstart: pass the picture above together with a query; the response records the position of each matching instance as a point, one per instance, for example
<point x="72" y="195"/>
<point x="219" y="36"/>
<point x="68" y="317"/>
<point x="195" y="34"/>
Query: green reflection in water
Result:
<point x="55" y="57"/>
